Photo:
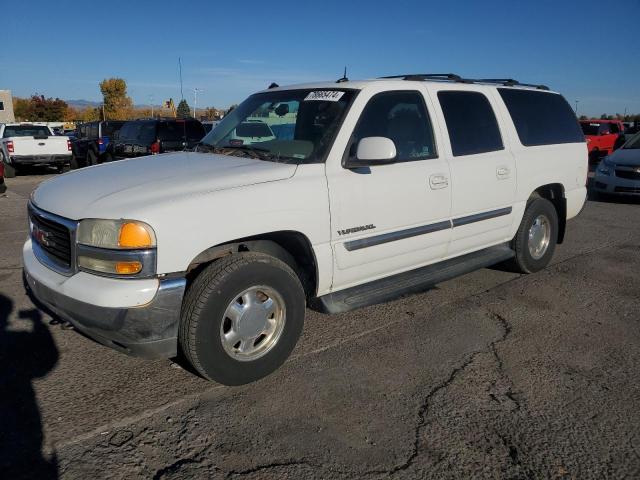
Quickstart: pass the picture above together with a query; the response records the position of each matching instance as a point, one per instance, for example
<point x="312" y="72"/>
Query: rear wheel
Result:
<point x="535" y="240"/>
<point x="107" y="158"/>
<point x="92" y="159"/>
<point x="63" y="168"/>
<point x="241" y="318"/>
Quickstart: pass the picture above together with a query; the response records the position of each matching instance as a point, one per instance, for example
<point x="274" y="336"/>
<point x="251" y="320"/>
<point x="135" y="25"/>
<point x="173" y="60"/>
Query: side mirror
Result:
<point x="373" y="151"/>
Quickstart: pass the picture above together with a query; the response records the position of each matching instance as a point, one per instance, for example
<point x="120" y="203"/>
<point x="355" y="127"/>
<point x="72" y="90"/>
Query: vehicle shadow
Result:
<point x="24" y="356"/>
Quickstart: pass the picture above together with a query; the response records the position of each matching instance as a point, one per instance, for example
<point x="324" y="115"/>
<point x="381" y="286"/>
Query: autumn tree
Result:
<point x="37" y="108"/>
<point x="117" y="105"/>
<point x="183" y="110"/>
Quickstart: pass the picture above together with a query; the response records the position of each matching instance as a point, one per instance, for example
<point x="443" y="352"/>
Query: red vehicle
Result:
<point x="602" y="137"/>
<point x="3" y="187"/>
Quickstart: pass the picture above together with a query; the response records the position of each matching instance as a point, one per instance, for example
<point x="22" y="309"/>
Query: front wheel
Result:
<point x="535" y="240"/>
<point x="241" y="318"/>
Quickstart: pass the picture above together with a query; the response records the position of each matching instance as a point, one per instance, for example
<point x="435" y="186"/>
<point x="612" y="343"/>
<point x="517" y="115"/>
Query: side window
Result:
<point x="402" y="117"/>
<point x="83" y="131"/>
<point x="471" y="123"/>
<point x="613" y="128"/>
<point x="544" y="118"/>
<point x="93" y="131"/>
<point x="605" y="129"/>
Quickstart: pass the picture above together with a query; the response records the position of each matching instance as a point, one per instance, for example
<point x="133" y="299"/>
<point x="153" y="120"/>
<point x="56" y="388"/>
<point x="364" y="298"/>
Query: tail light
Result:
<point x="155" y="147"/>
<point x="69" y="145"/>
<point x="10" y="146"/>
<point x="236" y="142"/>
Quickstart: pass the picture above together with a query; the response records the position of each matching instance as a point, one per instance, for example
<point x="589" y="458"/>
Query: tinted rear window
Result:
<point x="109" y="128"/>
<point x="253" y="129"/>
<point x="471" y="123"/>
<point x="541" y="118"/>
<point x="141" y="132"/>
<point x="26" y="131"/>
<point x="590" y="128"/>
<point x="178" y="131"/>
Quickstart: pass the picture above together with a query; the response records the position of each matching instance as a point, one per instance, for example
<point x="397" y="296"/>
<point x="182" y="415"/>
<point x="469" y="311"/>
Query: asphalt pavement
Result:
<point x="491" y="375"/>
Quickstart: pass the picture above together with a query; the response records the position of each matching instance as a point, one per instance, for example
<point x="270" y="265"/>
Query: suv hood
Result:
<point x="629" y="156"/>
<point x="113" y="190"/>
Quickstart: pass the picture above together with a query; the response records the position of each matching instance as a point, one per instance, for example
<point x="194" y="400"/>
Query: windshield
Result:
<point x="26" y="131"/>
<point x="590" y="128"/>
<point x="288" y="125"/>
<point x="633" y="143"/>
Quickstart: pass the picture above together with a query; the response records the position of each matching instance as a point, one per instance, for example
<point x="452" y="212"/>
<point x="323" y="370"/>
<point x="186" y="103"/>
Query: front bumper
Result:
<point x="610" y="184"/>
<point x="149" y="330"/>
<point x="39" y="159"/>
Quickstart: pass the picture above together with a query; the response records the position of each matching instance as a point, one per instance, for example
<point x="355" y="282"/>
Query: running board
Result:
<point x="390" y="288"/>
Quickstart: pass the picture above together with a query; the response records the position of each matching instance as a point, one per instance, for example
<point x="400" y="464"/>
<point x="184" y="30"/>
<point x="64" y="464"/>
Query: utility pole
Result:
<point x="151" y="102"/>
<point x="577" y="107"/>
<point x="196" y="91"/>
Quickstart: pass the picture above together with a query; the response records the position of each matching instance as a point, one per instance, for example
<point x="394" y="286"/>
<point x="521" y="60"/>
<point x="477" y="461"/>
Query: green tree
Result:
<point x="117" y="105"/>
<point x="183" y="110"/>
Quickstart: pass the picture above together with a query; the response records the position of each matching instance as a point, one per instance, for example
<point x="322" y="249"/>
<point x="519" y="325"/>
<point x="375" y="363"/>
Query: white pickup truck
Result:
<point x="24" y="144"/>
<point x="369" y="190"/>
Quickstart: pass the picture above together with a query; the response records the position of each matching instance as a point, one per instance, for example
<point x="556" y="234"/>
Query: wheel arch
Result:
<point x="292" y="247"/>
<point x="554" y="192"/>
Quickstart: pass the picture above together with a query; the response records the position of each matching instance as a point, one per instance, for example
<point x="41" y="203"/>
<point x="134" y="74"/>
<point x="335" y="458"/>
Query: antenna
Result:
<point x="180" y="69"/>
<point x="344" y="76"/>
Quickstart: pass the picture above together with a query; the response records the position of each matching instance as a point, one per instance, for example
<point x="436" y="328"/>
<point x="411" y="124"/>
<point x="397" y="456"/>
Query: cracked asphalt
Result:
<point x="491" y="375"/>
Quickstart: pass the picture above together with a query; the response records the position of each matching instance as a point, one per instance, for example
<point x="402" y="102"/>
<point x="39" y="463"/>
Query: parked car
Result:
<point x="619" y="173"/>
<point x="24" y="144"/>
<point x="3" y="187"/>
<point x="144" y="137"/>
<point x="94" y="142"/>
<point x="251" y="131"/>
<point x="602" y="137"/>
<point x="210" y="125"/>
<point x="388" y="187"/>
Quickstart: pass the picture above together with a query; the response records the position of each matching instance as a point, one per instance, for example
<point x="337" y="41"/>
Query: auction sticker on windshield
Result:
<point x="324" y="95"/>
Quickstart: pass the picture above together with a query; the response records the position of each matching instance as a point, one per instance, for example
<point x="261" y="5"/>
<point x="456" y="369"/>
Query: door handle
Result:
<point x="438" y="181"/>
<point x="503" y="172"/>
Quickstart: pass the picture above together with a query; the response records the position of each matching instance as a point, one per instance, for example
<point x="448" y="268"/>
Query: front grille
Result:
<point x="628" y="174"/>
<point x="53" y="238"/>
<point x="627" y="189"/>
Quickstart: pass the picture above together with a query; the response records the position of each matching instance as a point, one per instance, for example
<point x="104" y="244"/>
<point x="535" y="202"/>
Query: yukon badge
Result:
<point x="361" y="228"/>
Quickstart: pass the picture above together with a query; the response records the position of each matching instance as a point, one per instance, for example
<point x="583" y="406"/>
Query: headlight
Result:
<point x="120" y="248"/>
<point x="606" y="166"/>
<point x="124" y="234"/>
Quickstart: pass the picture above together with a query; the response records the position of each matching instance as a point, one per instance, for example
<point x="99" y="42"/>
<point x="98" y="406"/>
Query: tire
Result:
<point x="526" y="260"/>
<point x="92" y="159"/>
<point x="211" y="298"/>
<point x="107" y="158"/>
<point x="63" y="168"/>
<point x="9" y="171"/>
<point x="77" y="163"/>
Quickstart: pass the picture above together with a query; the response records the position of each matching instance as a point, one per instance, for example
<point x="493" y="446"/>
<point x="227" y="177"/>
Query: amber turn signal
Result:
<point x="128" y="268"/>
<point x="134" y="235"/>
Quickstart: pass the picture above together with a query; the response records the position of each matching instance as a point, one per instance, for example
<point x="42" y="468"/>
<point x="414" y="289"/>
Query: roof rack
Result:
<point x="452" y="77"/>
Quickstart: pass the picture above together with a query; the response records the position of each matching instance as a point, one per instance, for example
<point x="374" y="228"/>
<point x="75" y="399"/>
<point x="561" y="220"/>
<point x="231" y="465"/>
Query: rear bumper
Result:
<point x="39" y="159"/>
<point x="149" y="330"/>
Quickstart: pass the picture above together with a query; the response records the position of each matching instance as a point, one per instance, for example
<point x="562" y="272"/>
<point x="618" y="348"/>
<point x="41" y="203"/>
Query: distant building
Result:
<point x="6" y="107"/>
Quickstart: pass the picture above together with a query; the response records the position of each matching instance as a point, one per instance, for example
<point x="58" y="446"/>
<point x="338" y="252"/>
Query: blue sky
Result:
<point x="585" y="49"/>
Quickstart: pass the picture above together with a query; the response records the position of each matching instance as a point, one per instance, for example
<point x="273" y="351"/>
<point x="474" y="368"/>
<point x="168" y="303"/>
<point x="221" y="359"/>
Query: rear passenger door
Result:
<point x="483" y="177"/>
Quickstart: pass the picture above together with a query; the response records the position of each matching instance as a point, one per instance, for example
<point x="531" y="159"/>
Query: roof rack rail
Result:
<point x="510" y="82"/>
<point x="452" y="77"/>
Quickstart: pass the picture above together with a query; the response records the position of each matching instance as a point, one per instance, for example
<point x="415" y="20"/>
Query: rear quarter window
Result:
<point x="541" y="118"/>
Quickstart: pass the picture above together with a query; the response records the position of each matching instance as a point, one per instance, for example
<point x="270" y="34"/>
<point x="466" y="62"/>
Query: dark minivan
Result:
<point x="94" y="142"/>
<point x="146" y="137"/>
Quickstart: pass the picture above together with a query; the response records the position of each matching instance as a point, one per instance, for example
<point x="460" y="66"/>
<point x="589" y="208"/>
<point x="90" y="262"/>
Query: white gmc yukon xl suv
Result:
<point x="369" y="190"/>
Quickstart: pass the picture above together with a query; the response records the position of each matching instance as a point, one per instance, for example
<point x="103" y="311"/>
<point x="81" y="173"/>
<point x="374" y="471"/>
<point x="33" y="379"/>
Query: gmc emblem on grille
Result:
<point x="41" y="236"/>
